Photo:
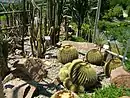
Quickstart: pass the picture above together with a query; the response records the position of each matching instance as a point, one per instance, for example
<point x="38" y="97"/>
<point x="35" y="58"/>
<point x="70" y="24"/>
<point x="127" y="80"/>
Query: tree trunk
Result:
<point x="1" y="89"/>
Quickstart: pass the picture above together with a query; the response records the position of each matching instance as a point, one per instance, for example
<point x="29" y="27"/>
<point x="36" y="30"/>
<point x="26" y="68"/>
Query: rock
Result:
<point x="18" y="88"/>
<point x="30" y="68"/>
<point x="120" y="77"/>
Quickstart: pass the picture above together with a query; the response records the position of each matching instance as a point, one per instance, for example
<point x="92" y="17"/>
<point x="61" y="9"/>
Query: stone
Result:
<point x="18" y="88"/>
<point x="120" y="77"/>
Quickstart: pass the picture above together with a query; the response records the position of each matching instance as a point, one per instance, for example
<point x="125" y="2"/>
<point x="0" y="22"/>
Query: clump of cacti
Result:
<point x="94" y="56"/>
<point x="67" y="53"/>
<point x="80" y="75"/>
<point x="110" y="65"/>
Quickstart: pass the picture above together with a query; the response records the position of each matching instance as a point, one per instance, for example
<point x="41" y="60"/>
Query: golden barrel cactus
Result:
<point x="110" y="65"/>
<point x="67" y="53"/>
<point x="94" y="56"/>
<point x="82" y="73"/>
<point x="64" y="94"/>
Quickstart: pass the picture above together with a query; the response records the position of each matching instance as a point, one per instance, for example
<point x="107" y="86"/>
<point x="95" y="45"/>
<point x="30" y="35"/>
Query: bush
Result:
<point x="77" y="39"/>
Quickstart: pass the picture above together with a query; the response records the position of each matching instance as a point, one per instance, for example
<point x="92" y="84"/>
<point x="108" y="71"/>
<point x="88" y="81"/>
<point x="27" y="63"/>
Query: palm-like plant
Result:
<point x="78" y="10"/>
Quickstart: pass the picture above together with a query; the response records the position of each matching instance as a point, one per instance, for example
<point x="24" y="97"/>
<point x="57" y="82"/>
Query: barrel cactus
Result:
<point x="63" y="73"/>
<point x="110" y="65"/>
<point x="82" y="73"/>
<point x="94" y="56"/>
<point x="67" y="53"/>
<point x="78" y="75"/>
<point x="64" y="94"/>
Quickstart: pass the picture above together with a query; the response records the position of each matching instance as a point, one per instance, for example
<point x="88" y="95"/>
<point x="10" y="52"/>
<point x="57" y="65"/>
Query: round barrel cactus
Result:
<point x="110" y="65"/>
<point x="67" y="53"/>
<point x="63" y="73"/>
<point x="82" y="73"/>
<point x="64" y="94"/>
<point x="94" y="56"/>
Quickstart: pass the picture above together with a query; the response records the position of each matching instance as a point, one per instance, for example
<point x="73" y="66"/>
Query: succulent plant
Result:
<point x="94" y="56"/>
<point x="67" y="53"/>
<point x="110" y="65"/>
<point x="64" y="94"/>
<point x="63" y="74"/>
<point x="82" y="73"/>
<point x="67" y="83"/>
<point x="77" y="88"/>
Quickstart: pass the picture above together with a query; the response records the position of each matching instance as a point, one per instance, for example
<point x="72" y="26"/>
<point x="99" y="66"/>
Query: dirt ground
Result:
<point x="50" y="84"/>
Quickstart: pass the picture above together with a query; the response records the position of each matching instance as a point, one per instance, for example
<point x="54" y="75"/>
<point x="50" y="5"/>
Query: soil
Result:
<point x="51" y="84"/>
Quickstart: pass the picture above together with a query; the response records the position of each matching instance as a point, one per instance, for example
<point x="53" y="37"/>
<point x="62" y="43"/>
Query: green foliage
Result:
<point x="116" y="30"/>
<point x="127" y="65"/>
<point x="128" y="9"/>
<point x="85" y="29"/>
<point x="101" y="39"/>
<point x="109" y="92"/>
<point x="77" y="39"/>
<point x="3" y="18"/>
<point x="114" y="12"/>
<point x="74" y="26"/>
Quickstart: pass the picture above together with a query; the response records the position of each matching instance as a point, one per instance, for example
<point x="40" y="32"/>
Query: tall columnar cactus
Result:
<point x="110" y="65"/>
<point x="94" y="56"/>
<point x="78" y="75"/>
<point x="67" y="53"/>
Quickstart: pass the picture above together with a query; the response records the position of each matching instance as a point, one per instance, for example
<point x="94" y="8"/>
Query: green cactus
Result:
<point x="64" y="94"/>
<point x="67" y="53"/>
<point x="74" y="88"/>
<point x="82" y="73"/>
<point x="63" y="73"/>
<point x="67" y="83"/>
<point x="94" y="56"/>
<point x="110" y="65"/>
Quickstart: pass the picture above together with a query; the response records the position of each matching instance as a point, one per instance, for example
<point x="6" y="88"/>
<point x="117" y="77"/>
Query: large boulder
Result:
<point x="120" y="77"/>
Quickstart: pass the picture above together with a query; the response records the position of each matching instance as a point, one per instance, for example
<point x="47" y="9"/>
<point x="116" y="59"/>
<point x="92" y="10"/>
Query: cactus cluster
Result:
<point x="67" y="53"/>
<point x="110" y="65"/>
<point x="94" y="56"/>
<point x="78" y="75"/>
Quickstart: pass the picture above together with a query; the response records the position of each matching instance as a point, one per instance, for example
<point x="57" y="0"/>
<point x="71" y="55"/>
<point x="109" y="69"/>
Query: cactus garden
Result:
<point x="64" y="49"/>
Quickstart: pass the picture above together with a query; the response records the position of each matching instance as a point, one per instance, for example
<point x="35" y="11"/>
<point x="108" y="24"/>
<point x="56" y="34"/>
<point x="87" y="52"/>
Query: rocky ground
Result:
<point x="50" y="84"/>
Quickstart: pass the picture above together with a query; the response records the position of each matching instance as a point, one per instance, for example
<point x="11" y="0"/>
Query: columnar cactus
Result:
<point x="67" y="53"/>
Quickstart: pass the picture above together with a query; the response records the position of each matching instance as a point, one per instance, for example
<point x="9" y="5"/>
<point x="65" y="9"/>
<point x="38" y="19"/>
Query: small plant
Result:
<point x="77" y="39"/>
<point x="108" y="92"/>
<point x="111" y="92"/>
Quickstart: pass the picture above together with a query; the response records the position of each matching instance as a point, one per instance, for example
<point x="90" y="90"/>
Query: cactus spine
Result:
<point x="80" y="75"/>
<point x="110" y="65"/>
<point x="67" y="53"/>
<point x="94" y="56"/>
